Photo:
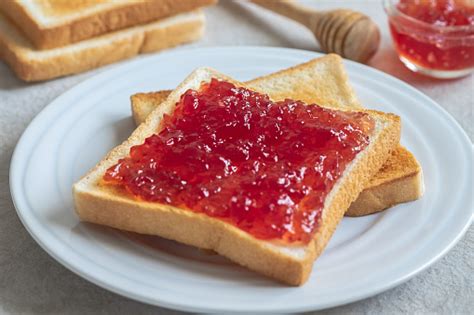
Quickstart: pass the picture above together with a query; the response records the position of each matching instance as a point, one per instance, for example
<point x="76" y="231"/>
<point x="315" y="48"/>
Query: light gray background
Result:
<point x="31" y="282"/>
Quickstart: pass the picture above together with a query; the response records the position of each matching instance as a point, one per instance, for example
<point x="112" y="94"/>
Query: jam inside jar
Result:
<point x="433" y="37"/>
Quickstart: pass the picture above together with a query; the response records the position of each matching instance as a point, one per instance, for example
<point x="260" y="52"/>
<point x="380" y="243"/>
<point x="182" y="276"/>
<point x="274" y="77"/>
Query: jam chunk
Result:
<point x="439" y="12"/>
<point x="233" y="154"/>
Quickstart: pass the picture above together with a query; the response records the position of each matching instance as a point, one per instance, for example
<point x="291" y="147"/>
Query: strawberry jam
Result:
<point x="231" y="153"/>
<point x="435" y="34"/>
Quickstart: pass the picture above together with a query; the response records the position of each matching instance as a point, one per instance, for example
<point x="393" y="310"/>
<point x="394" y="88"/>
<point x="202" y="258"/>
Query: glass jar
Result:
<point x="432" y="49"/>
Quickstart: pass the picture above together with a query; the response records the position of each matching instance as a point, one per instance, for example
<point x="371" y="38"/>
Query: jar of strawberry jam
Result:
<point x="433" y="37"/>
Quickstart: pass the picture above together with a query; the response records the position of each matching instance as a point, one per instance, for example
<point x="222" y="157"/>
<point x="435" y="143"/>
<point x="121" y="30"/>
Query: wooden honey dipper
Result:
<point x="348" y="33"/>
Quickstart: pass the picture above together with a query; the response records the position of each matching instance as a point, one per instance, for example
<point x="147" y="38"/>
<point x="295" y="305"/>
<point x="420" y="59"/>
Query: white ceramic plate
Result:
<point x="366" y="255"/>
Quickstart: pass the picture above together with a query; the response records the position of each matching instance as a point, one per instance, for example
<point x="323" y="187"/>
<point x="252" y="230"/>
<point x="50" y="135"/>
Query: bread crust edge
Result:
<point x="31" y="68"/>
<point x="89" y="26"/>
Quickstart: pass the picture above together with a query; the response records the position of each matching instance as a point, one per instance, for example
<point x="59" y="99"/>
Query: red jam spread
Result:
<point x="232" y="153"/>
<point x="430" y="45"/>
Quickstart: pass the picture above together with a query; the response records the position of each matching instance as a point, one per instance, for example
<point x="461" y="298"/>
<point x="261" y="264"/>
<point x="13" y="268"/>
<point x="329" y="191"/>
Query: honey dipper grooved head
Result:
<point x="350" y="34"/>
<point x="361" y="41"/>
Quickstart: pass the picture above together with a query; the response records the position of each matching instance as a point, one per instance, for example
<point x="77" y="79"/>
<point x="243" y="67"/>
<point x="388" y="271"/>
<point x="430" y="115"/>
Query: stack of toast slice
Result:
<point x="324" y="81"/>
<point x="290" y="263"/>
<point x="45" y="39"/>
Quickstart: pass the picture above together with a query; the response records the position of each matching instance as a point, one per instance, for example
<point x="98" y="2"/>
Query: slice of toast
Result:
<point x="30" y="64"/>
<point x="324" y="81"/>
<point x="55" y="23"/>
<point x="290" y="263"/>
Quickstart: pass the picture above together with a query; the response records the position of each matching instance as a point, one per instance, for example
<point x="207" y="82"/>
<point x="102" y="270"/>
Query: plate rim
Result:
<point x="15" y="168"/>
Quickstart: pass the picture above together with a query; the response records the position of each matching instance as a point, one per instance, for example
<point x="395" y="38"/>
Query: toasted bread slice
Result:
<point x="30" y="64"/>
<point x="399" y="180"/>
<point x="324" y="81"/>
<point x="55" y="23"/>
<point x="288" y="263"/>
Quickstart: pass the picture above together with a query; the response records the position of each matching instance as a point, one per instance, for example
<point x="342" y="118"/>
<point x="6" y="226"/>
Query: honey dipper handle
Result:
<point x="292" y="10"/>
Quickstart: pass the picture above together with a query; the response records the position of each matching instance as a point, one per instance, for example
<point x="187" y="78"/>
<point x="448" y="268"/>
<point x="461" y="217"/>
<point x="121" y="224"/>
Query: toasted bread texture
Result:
<point x="324" y="81"/>
<point x="30" y="64"/>
<point x="289" y="263"/>
<point x="399" y="180"/>
<point x="55" y="23"/>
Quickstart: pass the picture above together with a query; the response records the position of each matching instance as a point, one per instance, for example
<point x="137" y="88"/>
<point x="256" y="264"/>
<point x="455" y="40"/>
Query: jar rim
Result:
<point x="390" y="7"/>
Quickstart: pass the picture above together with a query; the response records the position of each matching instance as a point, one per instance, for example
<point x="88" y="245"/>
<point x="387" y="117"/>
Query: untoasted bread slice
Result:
<point x="30" y="64"/>
<point x="324" y="81"/>
<point x="55" y="23"/>
<point x="288" y="263"/>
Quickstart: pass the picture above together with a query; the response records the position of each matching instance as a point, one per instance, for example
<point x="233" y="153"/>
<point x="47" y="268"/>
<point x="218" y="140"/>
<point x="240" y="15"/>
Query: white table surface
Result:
<point x="31" y="282"/>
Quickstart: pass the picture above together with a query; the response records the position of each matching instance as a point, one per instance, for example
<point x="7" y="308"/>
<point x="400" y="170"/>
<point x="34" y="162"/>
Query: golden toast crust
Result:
<point x="81" y="27"/>
<point x="30" y="64"/>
